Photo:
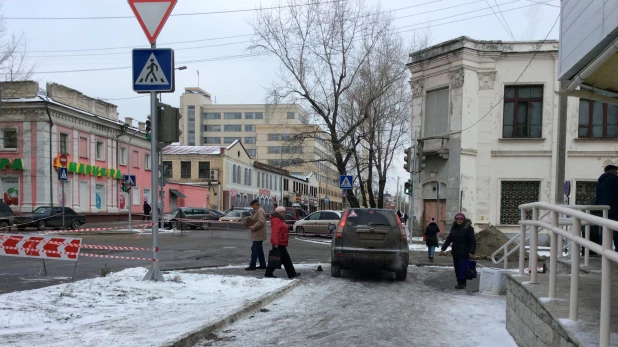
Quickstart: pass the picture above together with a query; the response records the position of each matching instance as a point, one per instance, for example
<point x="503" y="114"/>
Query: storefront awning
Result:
<point x="177" y="193"/>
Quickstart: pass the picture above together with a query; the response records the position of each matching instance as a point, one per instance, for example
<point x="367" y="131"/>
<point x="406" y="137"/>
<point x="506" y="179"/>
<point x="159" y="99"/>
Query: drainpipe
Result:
<point x="51" y="159"/>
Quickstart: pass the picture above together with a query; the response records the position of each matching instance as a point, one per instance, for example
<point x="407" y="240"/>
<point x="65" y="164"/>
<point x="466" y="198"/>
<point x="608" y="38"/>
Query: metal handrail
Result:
<point x="607" y="254"/>
<point x="505" y="247"/>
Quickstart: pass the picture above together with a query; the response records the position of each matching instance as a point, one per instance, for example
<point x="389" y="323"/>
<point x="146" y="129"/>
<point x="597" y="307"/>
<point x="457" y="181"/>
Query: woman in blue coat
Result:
<point x="463" y="247"/>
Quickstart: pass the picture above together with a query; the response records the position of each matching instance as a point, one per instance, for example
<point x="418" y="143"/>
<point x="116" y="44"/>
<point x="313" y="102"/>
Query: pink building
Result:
<point x="37" y="126"/>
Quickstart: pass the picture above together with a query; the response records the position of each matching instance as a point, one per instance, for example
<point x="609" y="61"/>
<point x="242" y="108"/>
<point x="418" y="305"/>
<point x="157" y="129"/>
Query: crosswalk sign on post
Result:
<point x="345" y="181"/>
<point x="63" y="174"/>
<point x="153" y="70"/>
<point x="130" y="178"/>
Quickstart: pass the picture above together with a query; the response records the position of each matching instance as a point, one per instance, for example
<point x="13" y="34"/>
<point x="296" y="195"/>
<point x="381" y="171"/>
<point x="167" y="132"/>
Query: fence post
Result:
<point x="560" y="245"/>
<point x="522" y="243"/>
<point x="606" y="285"/>
<point x="534" y="240"/>
<point x="553" y="256"/>
<point x="586" y="249"/>
<point x="575" y="257"/>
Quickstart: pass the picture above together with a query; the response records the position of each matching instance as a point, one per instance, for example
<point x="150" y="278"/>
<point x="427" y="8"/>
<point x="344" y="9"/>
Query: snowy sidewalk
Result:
<point x="122" y="310"/>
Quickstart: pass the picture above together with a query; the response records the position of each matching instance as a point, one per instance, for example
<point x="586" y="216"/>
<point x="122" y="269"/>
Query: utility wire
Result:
<point x="496" y="14"/>
<point x="517" y="80"/>
<point x="505" y="22"/>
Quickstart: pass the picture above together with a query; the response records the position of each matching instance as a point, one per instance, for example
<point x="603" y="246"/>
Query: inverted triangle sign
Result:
<point x="152" y="15"/>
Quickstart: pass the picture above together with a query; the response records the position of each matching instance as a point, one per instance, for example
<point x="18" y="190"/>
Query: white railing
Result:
<point x="605" y="251"/>
<point x="565" y="222"/>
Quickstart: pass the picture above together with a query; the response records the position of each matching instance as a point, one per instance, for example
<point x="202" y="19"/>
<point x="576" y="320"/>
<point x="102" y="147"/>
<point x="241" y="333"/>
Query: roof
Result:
<point x="197" y="150"/>
<point x="302" y="177"/>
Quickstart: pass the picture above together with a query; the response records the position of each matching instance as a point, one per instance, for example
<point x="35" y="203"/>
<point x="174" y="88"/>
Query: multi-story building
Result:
<point x="488" y="124"/>
<point x="37" y="126"/>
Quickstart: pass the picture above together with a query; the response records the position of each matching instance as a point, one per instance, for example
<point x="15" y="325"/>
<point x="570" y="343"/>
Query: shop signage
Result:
<point x="264" y="192"/>
<point x="91" y="170"/>
<point x="8" y="164"/>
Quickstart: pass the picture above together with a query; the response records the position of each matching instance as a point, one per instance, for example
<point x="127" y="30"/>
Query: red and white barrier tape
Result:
<point x="80" y="254"/>
<point x="115" y="248"/>
<point x="86" y="230"/>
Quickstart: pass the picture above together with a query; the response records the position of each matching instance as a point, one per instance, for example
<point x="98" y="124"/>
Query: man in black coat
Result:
<point x="431" y="238"/>
<point x="464" y="246"/>
<point x="607" y="194"/>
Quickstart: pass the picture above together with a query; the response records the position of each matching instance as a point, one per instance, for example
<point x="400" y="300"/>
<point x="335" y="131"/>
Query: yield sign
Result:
<point x="152" y="15"/>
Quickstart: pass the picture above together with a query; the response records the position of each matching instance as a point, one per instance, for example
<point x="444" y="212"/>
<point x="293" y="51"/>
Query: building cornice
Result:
<point x="520" y="153"/>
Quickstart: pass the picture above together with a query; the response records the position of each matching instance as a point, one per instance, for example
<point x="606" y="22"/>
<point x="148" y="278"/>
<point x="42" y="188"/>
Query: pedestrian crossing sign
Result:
<point x="345" y="181"/>
<point x="153" y="70"/>
<point x="63" y="174"/>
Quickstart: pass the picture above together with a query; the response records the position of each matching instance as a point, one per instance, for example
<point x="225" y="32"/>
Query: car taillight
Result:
<point x="339" y="231"/>
<point x="402" y="230"/>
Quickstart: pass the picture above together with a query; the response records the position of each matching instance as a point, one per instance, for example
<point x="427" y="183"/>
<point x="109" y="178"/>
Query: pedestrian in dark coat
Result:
<point x="147" y="209"/>
<point x="399" y="215"/>
<point x="431" y="238"/>
<point x="279" y="237"/>
<point x="607" y="194"/>
<point x="405" y="218"/>
<point x="463" y="247"/>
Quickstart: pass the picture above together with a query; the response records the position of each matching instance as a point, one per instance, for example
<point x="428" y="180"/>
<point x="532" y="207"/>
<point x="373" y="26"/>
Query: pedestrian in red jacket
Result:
<point x="279" y="237"/>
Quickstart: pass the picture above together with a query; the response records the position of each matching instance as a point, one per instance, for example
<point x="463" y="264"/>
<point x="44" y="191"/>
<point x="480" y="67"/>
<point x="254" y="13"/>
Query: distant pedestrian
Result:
<point x="431" y="238"/>
<point x="257" y="235"/>
<point x="279" y="237"/>
<point x="405" y="219"/>
<point x="147" y="209"/>
<point x="463" y="247"/>
<point x="607" y="194"/>
<point x="399" y="215"/>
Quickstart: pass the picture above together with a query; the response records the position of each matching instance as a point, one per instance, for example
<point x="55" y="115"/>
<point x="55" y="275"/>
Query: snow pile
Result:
<point x="123" y="310"/>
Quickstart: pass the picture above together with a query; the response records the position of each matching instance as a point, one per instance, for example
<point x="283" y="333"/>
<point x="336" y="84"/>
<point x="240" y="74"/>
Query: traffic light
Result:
<point x="168" y="123"/>
<point x="420" y="154"/>
<point x="408" y="159"/>
<point x="148" y="123"/>
<point x="126" y="186"/>
<point x="407" y="188"/>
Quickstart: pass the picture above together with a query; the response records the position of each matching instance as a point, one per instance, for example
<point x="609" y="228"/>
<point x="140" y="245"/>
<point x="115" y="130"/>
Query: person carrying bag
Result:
<point x="279" y="238"/>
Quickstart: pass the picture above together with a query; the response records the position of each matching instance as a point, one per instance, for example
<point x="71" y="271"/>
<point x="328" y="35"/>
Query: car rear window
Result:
<point x="371" y="217"/>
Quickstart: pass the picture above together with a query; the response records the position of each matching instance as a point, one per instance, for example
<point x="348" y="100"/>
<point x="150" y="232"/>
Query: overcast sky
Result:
<point x="106" y="43"/>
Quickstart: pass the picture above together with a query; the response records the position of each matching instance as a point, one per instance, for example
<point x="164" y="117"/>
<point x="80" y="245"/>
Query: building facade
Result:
<point x="40" y="125"/>
<point x="489" y="131"/>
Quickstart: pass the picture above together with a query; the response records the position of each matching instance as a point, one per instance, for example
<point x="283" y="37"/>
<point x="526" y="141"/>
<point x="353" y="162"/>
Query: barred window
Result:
<point x="584" y="192"/>
<point x="513" y="194"/>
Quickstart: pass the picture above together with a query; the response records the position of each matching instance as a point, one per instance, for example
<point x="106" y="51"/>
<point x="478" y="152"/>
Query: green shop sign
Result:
<point x="15" y="164"/>
<point x="94" y="170"/>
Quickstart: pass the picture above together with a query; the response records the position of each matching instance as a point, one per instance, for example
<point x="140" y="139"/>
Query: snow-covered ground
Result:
<point x="122" y="310"/>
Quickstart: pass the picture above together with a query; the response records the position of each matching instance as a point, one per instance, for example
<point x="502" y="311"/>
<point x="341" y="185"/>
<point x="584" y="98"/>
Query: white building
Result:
<point x="489" y="134"/>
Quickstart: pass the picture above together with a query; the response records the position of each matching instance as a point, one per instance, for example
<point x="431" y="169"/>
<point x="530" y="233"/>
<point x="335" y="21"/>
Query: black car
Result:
<point x="50" y="217"/>
<point x="189" y="213"/>
<point x="6" y="217"/>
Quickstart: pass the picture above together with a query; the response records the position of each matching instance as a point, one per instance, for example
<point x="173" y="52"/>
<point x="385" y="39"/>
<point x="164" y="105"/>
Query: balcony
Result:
<point x="435" y="146"/>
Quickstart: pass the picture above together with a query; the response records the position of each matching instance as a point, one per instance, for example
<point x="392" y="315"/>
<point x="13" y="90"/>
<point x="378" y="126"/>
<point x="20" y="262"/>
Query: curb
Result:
<point x="193" y="337"/>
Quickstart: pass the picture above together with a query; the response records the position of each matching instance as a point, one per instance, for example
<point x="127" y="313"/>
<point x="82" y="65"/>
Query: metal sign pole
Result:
<point x="155" y="272"/>
<point x="63" y="203"/>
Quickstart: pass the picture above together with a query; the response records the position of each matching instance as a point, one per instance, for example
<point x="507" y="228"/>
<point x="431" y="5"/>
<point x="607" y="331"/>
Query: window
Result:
<point x="523" y="112"/>
<point x="212" y="140"/>
<point x="246" y="181"/>
<point x="264" y="183"/>
<point x="147" y="196"/>
<point x="168" y="169"/>
<point x="250" y="179"/>
<point x="232" y="115"/>
<point x="212" y="127"/>
<point x="100" y="150"/>
<point x="276" y="179"/>
<point x="185" y="169"/>
<point x="204" y="169"/>
<point x="436" y="113"/>
<point x="279" y="137"/>
<point x="135" y="159"/>
<point x="290" y="115"/>
<point x="284" y="150"/>
<point x="258" y="180"/>
<point x="208" y="115"/>
<point x="250" y="127"/>
<point x="232" y="127"/>
<point x="254" y="115"/>
<point x="513" y="194"/>
<point x="285" y="184"/>
<point x="191" y="125"/>
<point x="270" y="186"/>
<point x="83" y="147"/>
<point x="597" y="119"/>
<point x="9" y="139"/>
<point x="136" y="195"/>
<point x="234" y="174"/>
<point x="250" y="140"/>
<point x="584" y="192"/>
<point x="228" y="140"/>
<point x="64" y="143"/>
<point x="123" y="156"/>
<point x="251" y="152"/>
<point x="147" y="162"/>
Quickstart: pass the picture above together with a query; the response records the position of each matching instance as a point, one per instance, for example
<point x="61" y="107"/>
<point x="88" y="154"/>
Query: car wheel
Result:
<point x="300" y="230"/>
<point x="401" y="275"/>
<point x="4" y="226"/>
<point x="335" y="271"/>
<point x="41" y="225"/>
<point x="205" y="226"/>
<point x="75" y="224"/>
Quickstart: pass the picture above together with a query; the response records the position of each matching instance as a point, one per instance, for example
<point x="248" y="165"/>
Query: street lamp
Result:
<point x="181" y="68"/>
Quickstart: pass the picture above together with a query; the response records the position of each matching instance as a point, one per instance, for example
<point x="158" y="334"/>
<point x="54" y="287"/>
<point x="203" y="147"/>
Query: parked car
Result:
<point x="171" y="218"/>
<point x="236" y="216"/>
<point x="317" y="222"/>
<point x="237" y="209"/>
<point x="368" y="238"/>
<point x="293" y="214"/>
<point x="217" y="213"/>
<point x="7" y="217"/>
<point x="50" y="217"/>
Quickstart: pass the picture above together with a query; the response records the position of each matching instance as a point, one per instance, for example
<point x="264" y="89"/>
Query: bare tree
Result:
<point x="323" y="46"/>
<point x="13" y="49"/>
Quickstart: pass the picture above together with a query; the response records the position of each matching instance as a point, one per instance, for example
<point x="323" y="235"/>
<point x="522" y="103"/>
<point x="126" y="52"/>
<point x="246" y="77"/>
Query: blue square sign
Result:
<point x="63" y="174"/>
<point x="153" y="70"/>
<point x="130" y="178"/>
<point x="345" y="181"/>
